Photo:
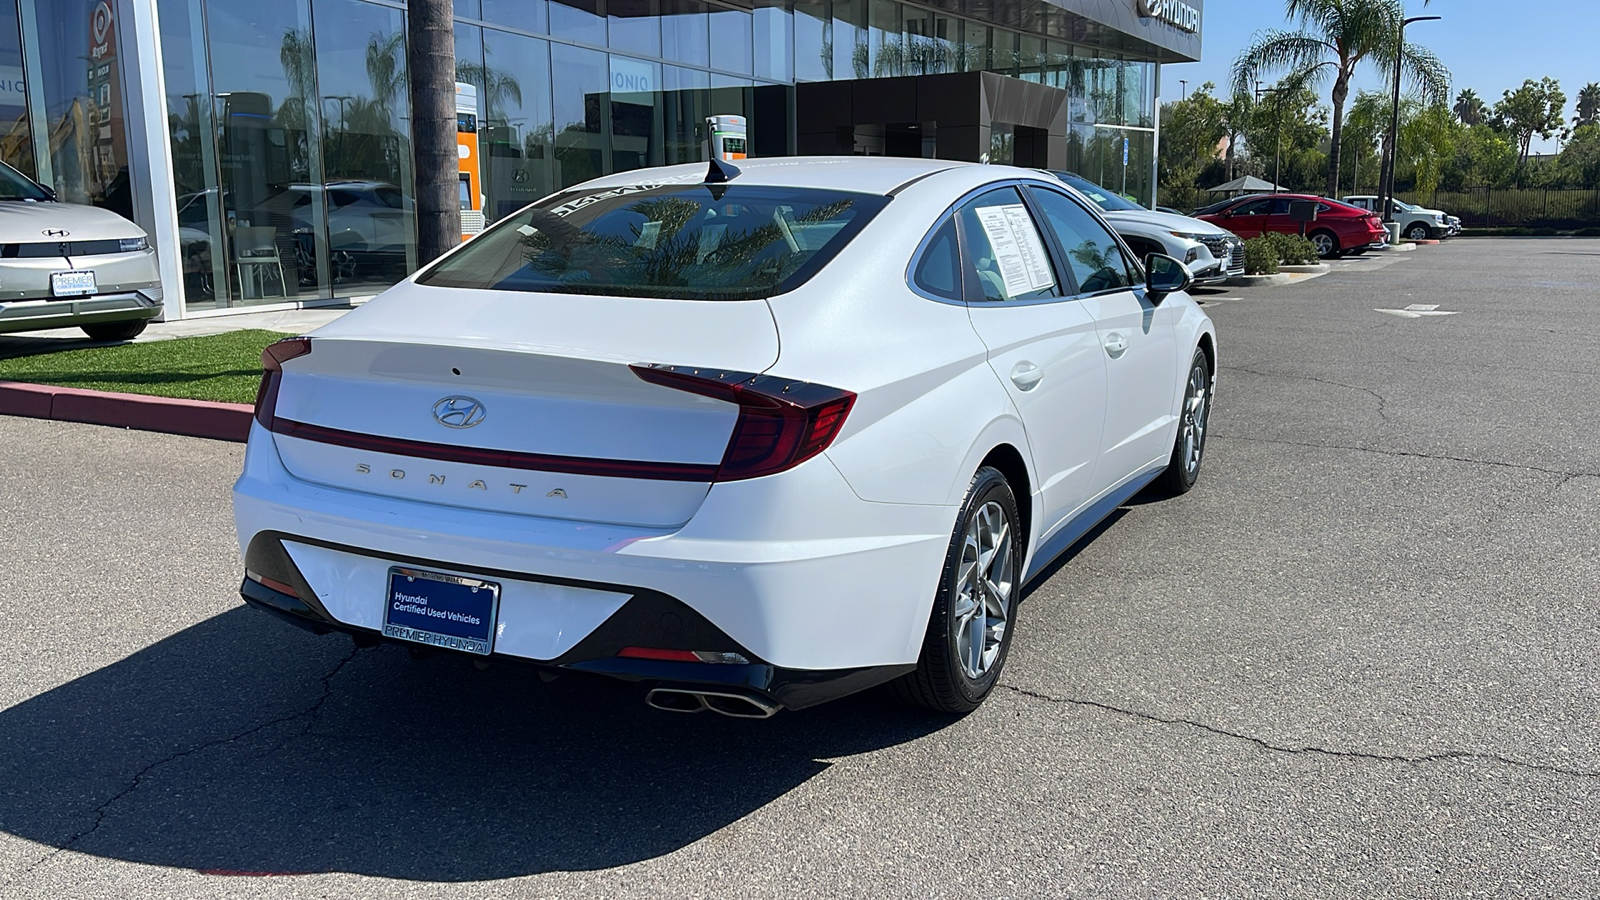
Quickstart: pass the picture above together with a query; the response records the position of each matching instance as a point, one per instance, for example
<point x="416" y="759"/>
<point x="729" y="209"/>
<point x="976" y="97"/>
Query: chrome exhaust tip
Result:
<point x="738" y="706"/>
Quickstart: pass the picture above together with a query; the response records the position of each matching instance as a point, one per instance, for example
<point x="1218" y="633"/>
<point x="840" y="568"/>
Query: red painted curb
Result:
<point x="1426" y="243"/>
<point x="195" y="418"/>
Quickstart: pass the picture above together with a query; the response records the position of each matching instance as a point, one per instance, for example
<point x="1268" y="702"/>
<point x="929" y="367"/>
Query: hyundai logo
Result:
<point x="458" y="412"/>
<point x="55" y="232"/>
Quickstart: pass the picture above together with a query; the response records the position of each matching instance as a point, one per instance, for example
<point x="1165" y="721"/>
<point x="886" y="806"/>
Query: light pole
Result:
<point x="1386" y="177"/>
<point x="1277" y="132"/>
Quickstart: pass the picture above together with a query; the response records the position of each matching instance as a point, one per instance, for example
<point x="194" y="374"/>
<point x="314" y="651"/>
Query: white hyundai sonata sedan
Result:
<point x="753" y="437"/>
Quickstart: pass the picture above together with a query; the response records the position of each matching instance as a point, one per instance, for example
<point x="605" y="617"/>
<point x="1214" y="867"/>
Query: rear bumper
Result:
<point x="793" y="570"/>
<point x="37" y="315"/>
<point x="647" y="619"/>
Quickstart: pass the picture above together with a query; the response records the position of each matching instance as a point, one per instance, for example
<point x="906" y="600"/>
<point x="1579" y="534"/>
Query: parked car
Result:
<point x="66" y="265"/>
<point x="1212" y="254"/>
<point x="1340" y="228"/>
<point x="1416" y="223"/>
<point x="756" y="437"/>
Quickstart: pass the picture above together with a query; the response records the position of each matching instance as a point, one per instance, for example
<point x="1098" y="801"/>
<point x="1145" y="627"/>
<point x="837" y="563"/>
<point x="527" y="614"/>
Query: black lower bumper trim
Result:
<point x="649" y="619"/>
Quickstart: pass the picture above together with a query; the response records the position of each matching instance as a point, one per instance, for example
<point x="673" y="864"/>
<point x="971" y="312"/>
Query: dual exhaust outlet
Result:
<point x="739" y="706"/>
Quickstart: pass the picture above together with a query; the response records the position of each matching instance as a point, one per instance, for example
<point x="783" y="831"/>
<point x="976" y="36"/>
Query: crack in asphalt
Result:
<point x="1443" y="756"/>
<point x="100" y="812"/>
<point x="1566" y="476"/>
<point x="1383" y="403"/>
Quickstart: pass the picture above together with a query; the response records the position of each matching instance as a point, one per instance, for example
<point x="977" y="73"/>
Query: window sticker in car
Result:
<point x="1018" y="251"/>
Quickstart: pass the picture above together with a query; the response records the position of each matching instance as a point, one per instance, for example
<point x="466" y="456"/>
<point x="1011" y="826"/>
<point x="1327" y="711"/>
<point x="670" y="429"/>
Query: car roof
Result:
<point x="865" y="174"/>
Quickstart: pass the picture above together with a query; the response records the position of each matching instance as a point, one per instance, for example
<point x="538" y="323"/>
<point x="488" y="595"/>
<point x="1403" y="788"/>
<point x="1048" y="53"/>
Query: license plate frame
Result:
<point x="455" y="612"/>
<point x="76" y="283"/>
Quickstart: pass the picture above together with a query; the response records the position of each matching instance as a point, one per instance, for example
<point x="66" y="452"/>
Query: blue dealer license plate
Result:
<point x="442" y="610"/>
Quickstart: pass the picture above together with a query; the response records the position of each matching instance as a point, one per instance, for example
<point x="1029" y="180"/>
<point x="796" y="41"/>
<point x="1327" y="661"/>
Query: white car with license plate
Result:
<point x="66" y="265"/>
<point x="754" y="438"/>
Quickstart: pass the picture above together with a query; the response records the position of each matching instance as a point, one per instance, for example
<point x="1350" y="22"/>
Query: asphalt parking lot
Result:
<point x="1359" y="660"/>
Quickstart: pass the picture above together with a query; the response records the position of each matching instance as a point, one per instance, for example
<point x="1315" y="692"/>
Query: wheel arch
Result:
<point x="1008" y="460"/>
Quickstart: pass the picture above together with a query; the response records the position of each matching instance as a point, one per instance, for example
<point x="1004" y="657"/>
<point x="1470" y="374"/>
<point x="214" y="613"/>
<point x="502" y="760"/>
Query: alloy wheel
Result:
<point x="985" y="580"/>
<point x="1195" y="410"/>
<point x="1323" y="243"/>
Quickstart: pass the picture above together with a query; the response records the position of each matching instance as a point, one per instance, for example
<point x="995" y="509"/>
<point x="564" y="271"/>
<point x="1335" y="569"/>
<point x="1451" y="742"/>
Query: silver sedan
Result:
<point x="64" y="265"/>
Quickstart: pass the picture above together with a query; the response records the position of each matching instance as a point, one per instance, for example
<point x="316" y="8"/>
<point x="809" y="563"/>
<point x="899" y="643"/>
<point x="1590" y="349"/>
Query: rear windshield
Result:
<point x="690" y="242"/>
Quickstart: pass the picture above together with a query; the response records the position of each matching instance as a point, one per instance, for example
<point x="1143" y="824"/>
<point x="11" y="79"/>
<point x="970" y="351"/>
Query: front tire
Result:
<point x="1419" y="232"/>
<point x="969" y="630"/>
<point x="116" y="331"/>
<point x="1188" y="449"/>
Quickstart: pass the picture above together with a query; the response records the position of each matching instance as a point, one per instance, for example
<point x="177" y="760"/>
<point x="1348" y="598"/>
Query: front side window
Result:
<point x="689" y="242"/>
<point x="1096" y="259"/>
<point x="1004" y="248"/>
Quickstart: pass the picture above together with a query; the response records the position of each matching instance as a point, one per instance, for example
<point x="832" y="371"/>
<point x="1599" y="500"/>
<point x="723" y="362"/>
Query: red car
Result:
<point x="1340" y="228"/>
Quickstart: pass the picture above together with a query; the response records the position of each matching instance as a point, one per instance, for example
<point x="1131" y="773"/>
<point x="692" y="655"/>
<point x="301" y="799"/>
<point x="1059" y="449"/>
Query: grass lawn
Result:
<point x="223" y="367"/>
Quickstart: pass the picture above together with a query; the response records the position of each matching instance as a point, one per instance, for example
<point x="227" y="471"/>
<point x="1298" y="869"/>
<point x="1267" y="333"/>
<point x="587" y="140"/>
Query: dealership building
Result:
<point x="265" y="144"/>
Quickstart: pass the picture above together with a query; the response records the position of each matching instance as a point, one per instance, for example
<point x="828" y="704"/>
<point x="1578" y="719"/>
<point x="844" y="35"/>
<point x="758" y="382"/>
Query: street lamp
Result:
<point x="1277" y="132"/>
<point x="1386" y="178"/>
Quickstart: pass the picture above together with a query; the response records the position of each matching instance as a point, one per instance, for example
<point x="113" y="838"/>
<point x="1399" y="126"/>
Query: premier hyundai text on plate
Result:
<point x="755" y="438"/>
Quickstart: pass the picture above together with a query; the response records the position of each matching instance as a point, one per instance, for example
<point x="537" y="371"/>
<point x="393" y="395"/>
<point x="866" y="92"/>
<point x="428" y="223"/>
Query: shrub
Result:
<point x="1591" y="231"/>
<point x="1542" y="232"/>
<point x="1259" y="257"/>
<point x="1292" y="249"/>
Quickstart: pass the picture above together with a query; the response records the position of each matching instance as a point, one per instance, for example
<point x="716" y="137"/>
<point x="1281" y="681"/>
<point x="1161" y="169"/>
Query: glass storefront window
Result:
<point x="578" y="20"/>
<point x="192" y="131"/>
<point x="635" y="26"/>
<point x="528" y="15"/>
<point x="264" y="93"/>
<point x="686" y="32"/>
<point x="516" y="133"/>
<point x="813" y="41"/>
<point x="774" y="40"/>
<point x="579" y="106"/>
<point x="685" y="105"/>
<point x="16" y="137"/>
<point x="852" y="57"/>
<point x="634" y="101"/>
<point x="367" y="184"/>
<point x="883" y="38"/>
<point x="82" y="95"/>
<point x="730" y="40"/>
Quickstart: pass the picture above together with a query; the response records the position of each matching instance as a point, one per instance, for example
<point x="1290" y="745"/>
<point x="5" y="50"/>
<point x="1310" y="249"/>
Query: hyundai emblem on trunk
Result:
<point x="55" y="232"/>
<point x="458" y="412"/>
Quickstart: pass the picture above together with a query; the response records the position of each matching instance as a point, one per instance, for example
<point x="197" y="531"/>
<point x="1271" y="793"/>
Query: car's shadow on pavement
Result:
<point x="241" y="745"/>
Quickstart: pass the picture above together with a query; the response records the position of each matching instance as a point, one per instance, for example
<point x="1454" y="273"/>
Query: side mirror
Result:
<point x="1164" y="275"/>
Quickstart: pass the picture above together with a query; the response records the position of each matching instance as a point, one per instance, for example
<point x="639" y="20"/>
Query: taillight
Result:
<point x="272" y="360"/>
<point x="782" y="422"/>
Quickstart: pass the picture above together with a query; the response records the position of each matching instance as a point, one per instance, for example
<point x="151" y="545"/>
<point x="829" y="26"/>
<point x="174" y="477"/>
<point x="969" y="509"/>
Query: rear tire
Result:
<point x="969" y="630"/>
<point x="1326" y="243"/>
<point x="116" y="331"/>
<point x="1188" y="449"/>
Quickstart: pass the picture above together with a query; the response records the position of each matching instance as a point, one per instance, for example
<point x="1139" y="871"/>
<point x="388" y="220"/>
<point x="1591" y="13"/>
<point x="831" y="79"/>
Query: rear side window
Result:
<point x="688" y="242"/>
<point x="939" y="269"/>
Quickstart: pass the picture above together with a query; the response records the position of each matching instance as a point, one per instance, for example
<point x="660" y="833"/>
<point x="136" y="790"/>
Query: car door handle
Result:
<point x="1116" y="344"/>
<point x="1026" y="376"/>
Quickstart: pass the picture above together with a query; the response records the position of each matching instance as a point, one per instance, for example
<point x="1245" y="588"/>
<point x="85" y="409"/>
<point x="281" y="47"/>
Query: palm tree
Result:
<point x="1470" y="108"/>
<point x="1334" y="38"/>
<point x="1588" y="104"/>
<point x="432" y="62"/>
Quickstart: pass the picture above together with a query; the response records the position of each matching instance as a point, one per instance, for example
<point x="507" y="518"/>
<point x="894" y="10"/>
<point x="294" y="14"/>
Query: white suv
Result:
<point x="1210" y="253"/>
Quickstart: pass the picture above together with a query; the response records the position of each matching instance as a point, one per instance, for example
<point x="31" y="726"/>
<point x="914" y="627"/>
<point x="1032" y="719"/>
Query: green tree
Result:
<point x="1286" y="137"/>
<point x="1470" y="108"/>
<point x="1533" y="109"/>
<point x="1580" y="158"/>
<point x="1483" y="158"/>
<point x="1335" y="37"/>
<point x="1427" y="144"/>
<point x="1192" y="130"/>
<point x="1588" y="105"/>
<point x="1365" y="124"/>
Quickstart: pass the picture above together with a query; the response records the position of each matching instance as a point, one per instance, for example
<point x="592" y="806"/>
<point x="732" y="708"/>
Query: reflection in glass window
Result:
<point x="685" y="32"/>
<point x="366" y="145"/>
<point x="634" y="113"/>
<point x="1095" y="257"/>
<point x="191" y="129"/>
<point x="730" y="40"/>
<point x="813" y="41"/>
<point x="578" y="20"/>
<point x="16" y="138"/>
<point x="685" y="106"/>
<point x="852" y="54"/>
<point x="516" y="136"/>
<point x="686" y="242"/>
<point x="528" y="15"/>
<point x="774" y="41"/>
<point x="635" y="26"/>
<point x="83" y="92"/>
<point x="579" y="95"/>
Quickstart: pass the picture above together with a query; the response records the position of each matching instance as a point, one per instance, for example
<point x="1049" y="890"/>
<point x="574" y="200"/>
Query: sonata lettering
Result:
<point x="477" y="484"/>
<point x="1176" y="13"/>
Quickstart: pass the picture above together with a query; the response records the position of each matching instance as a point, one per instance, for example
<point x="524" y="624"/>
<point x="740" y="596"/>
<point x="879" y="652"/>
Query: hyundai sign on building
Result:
<point x="265" y="146"/>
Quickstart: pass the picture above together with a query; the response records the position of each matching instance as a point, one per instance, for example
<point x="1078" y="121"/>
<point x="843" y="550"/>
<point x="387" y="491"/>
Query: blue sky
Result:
<point x="1489" y="46"/>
